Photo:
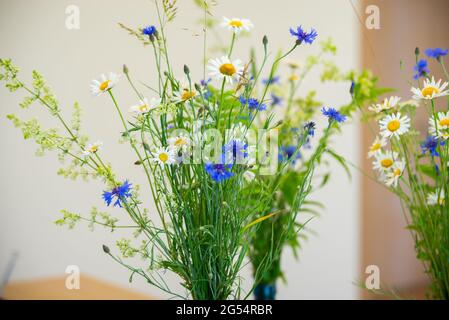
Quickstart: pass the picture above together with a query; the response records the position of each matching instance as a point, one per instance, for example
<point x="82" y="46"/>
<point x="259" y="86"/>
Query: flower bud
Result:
<point x="106" y="249"/>
<point x="186" y="70"/>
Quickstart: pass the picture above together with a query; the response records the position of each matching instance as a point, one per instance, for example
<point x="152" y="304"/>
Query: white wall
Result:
<point x="33" y="34"/>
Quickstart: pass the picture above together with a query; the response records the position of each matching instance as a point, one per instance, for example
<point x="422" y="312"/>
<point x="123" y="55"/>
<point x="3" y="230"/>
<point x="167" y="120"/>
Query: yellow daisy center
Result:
<point x="393" y="125"/>
<point x="163" y="157"/>
<point x="376" y="146"/>
<point x="397" y="172"/>
<point x="93" y="149"/>
<point x="187" y="94"/>
<point x="236" y="23"/>
<point x="104" y="85"/>
<point x="429" y="91"/>
<point x="180" y="142"/>
<point x="386" y="163"/>
<point x="228" y="69"/>
<point x="444" y="122"/>
<point x="143" y="108"/>
<point x="293" y="77"/>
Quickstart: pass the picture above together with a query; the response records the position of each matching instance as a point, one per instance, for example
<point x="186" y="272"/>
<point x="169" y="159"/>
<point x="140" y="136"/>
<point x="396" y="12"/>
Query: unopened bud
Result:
<point x="106" y="249"/>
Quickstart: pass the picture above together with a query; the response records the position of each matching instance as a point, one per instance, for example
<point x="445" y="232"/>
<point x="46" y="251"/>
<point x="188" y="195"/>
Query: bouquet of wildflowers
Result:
<point x="414" y="165"/>
<point x="298" y="112"/>
<point x="197" y="143"/>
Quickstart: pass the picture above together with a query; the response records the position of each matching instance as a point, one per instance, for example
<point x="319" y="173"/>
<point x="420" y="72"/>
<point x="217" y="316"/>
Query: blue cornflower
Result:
<point x="149" y="31"/>
<point x="352" y="88"/>
<point x="421" y="69"/>
<point x="205" y="84"/>
<point x="271" y="81"/>
<point x="120" y="193"/>
<point x="253" y="103"/>
<point x="275" y="100"/>
<point x="436" y="53"/>
<point x="309" y="127"/>
<point x="430" y="145"/>
<point x="287" y="152"/>
<point x="235" y="151"/>
<point x="219" y="172"/>
<point x="333" y="115"/>
<point x="302" y="36"/>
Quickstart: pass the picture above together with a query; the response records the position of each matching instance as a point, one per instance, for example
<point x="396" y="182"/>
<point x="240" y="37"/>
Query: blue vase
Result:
<point x="265" y="291"/>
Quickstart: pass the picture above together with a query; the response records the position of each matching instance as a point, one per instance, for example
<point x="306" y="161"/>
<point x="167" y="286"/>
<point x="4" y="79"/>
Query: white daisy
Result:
<point x="180" y="142"/>
<point x="439" y="127"/>
<point x="430" y="90"/>
<point x="223" y="68"/>
<point x="145" y="106"/>
<point x="185" y="94"/>
<point x="385" y="161"/>
<point x="389" y="103"/>
<point x="164" y="156"/>
<point x="394" y="125"/>
<point x="435" y="198"/>
<point x="376" y="146"/>
<point x="392" y="177"/>
<point x="105" y="83"/>
<point x="237" y="25"/>
<point x="92" y="148"/>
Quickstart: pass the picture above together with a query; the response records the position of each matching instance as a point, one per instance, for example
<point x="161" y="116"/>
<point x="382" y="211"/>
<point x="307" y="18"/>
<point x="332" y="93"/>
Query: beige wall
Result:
<point x="34" y="35"/>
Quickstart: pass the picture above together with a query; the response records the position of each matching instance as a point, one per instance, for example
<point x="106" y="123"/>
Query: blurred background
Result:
<point x="361" y="224"/>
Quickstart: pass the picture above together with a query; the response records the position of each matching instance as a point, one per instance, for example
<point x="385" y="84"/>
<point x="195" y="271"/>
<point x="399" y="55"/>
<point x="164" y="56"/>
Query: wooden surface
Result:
<point x="55" y="289"/>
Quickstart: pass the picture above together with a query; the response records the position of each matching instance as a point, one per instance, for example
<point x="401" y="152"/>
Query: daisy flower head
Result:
<point x="219" y="172"/>
<point x="104" y="83"/>
<point x="385" y="161"/>
<point x="164" y="156"/>
<point x="303" y="36"/>
<point x="435" y="198"/>
<point x="179" y="143"/>
<point x="430" y="145"/>
<point x="392" y="177"/>
<point x="119" y="193"/>
<point x="224" y="68"/>
<point x="376" y="146"/>
<point x="145" y="106"/>
<point x="185" y="95"/>
<point x="431" y="89"/>
<point x="92" y="148"/>
<point x="420" y="69"/>
<point x="436" y="53"/>
<point x="237" y="25"/>
<point x="394" y="125"/>
<point x="388" y="103"/>
<point x="333" y="115"/>
<point x="439" y="126"/>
